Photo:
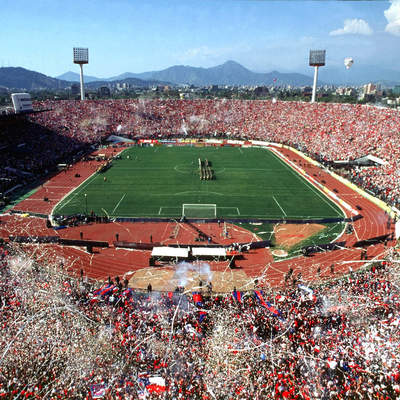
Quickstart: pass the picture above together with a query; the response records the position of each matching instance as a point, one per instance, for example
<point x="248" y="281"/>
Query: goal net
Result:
<point x="199" y="210"/>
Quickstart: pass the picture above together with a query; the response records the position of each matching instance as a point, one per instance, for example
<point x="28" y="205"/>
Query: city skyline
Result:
<point x="133" y="36"/>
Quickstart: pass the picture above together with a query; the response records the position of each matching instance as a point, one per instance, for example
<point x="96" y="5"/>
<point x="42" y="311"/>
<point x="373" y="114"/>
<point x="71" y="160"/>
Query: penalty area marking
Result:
<point x="74" y="192"/>
<point x="276" y="201"/>
<point x="323" y="196"/>
<point x="230" y="208"/>
<point x="196" y="192"/>
<point x="123" y="196"/>
<point x="172" y="211"/>
<point x="164" y="210"/>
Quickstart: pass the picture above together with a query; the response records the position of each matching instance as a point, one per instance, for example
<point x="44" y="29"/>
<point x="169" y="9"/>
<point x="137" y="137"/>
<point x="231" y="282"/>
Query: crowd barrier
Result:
<point x="57" y="240"/>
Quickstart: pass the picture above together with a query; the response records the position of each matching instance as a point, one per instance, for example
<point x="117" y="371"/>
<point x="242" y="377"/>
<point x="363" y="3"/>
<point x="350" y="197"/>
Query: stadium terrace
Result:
<point x="88" y="310"/>
<point x="329" y="132"/>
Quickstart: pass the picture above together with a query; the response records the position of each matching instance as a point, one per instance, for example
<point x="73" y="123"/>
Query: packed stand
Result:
<point x="68" y="338"/>
<point x="328" y="132"/>
<point x="29" y="151"/>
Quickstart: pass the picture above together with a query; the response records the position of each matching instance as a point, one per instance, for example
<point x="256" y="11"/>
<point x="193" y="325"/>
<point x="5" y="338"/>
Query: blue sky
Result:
<point x="138" y="36"/>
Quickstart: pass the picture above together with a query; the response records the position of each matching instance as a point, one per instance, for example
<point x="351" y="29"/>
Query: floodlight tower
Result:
<point x="317" y="59"/>
<point x="81" y="56"/>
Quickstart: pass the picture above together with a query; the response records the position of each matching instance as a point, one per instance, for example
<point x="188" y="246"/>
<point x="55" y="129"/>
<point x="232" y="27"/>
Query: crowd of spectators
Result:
<point x="65" y="338"/>
<point x="61" y="338"/>
<point x="328" y="132"/>
<point x="29" y="151"/>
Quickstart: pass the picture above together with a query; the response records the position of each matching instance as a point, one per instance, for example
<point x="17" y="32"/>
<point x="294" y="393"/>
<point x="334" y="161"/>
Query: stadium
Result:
<point x="255" y="240"/>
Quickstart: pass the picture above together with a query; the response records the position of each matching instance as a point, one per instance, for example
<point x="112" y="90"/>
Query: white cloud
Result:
<point x="353" y="26"/>
<point x="392" y="15"/>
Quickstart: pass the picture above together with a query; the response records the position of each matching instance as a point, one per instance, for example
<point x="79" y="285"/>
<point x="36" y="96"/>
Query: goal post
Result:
<point x="199" y="211"/>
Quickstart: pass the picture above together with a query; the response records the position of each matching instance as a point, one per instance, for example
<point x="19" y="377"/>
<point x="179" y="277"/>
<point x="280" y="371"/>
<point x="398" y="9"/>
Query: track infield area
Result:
<point x="154" y="182"/>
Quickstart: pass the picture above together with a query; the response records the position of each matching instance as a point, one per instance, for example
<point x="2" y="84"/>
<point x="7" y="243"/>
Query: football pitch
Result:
<point x="155" y="182"/>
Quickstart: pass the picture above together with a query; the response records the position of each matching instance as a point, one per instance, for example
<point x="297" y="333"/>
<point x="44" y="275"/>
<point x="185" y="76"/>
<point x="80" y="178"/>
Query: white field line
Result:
<point x="123" y="196"/>
<point x="78" y="191"/>
<point x="316" y="190"/>
<point x="276" y="201"/>
<point x="79" y="188"/>
<point x="232" y="208"/>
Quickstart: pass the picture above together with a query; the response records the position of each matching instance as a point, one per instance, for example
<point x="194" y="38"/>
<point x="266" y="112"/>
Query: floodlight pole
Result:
<point x="81" y="56"/>
<point x="317" y="59"/>
<point x="314" y="88"/>
<point x="82" y="87"/>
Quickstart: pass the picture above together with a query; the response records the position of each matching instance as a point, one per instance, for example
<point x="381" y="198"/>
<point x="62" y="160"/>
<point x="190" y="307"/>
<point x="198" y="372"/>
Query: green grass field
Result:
<point x="156" y="181"/>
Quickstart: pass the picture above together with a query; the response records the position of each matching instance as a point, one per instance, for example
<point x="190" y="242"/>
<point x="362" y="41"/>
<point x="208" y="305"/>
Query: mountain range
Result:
<point x="17" y="78"/>
<point x="232" y="73"/>
<point x="229" y="73"/>
<point x="21" y="78"/>
<point x="359" y="74"/>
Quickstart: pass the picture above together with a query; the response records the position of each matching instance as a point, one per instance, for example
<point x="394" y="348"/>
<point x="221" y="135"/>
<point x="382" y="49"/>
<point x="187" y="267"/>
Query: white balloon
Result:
<point x="348" y="62"/>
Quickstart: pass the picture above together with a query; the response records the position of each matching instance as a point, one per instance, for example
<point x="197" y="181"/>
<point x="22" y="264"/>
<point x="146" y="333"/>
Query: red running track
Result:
<point x="255" y="264"/>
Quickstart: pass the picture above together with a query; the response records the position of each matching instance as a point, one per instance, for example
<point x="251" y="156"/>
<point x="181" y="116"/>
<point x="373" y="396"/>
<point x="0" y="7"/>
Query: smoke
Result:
<point x="199" y="123"/>
<point x="20" y="262"/>
<point x="184" y="127"/>
<point x="186" y="272"/>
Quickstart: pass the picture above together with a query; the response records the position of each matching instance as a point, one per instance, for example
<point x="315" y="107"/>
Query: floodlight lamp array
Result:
<point x="81" y="55"/>
<point x="317" y="58"/>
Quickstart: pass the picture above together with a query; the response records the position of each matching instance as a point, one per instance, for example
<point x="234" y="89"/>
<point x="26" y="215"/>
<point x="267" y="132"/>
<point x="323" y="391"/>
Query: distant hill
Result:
<point x="24" y="79"/>
<point x="359" y="74"/>
<point x="18" y="78"/>
<point x="131" y="81"/>
<point x="75" y="77"/>
<point x="232" y="73"/>
<point x="94" y="83"/>
<point x="229" y="73"/>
